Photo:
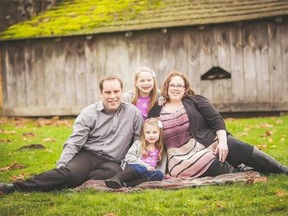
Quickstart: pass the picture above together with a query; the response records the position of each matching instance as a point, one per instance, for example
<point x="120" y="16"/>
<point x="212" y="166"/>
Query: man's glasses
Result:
<point x="178" y="86"/>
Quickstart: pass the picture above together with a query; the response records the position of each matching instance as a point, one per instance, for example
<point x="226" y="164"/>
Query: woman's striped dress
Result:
<point x="186" y="157"/>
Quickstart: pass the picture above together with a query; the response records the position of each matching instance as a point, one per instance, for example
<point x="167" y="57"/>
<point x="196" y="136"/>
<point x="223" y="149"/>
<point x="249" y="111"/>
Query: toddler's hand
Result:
<point x="150" y="168"/>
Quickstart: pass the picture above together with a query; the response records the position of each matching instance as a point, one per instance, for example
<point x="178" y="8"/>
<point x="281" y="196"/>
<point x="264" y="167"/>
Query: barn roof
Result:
<point x="77" y="17"/>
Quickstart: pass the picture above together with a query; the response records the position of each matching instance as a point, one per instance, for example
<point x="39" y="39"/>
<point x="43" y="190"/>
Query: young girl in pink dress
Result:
<point x="145" y="160"/>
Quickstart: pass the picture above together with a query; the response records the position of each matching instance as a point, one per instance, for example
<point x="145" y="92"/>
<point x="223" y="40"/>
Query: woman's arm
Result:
<point x="210" y="114"/>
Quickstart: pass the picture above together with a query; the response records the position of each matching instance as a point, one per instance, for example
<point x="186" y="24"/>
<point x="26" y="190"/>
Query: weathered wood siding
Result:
<point x="60" y="76"/>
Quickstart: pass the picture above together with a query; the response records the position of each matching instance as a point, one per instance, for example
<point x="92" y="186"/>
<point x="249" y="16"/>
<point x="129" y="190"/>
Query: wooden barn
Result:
<point x="234" y="52"/>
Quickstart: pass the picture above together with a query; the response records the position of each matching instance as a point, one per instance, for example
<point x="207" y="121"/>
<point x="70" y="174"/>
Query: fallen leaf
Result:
<point x="280" y="193"/>
<point x="55" y="118"/>
<point x="32" y="146"/>
<point x="244" y="134"/>
<point x="19" y="122"/>
<point x="269" y="133"/>
<point x="49" y="140"/>
<point x="247" y="129"/>
<point x="2" y="131"/>
<point x="3" y="120"/>
<point x="5" y="140"/>
<point x="262" y="146"/>
<point x="18" y="178"/>
<point x="261" y="179"/>
<point x="43" y="122"/>
<point x="30" y="134"/>
<point x="12" y="166"/>
<point x="110" y="214"/>
<point x="266" y="125"/>
<point x="219" y="205"/>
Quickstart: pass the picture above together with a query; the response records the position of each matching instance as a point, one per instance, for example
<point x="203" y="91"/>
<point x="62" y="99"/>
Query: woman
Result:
<point x="196" y="139"/>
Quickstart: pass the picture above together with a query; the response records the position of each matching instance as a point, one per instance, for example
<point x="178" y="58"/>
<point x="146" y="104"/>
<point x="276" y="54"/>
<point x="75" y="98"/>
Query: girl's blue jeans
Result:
<point x="155" y="175"/>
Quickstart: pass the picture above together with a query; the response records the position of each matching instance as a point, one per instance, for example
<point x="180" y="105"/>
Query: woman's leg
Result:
<point x="218" y="168"/>
<point x="266" y="164"/>
<point x="240" y="152"/>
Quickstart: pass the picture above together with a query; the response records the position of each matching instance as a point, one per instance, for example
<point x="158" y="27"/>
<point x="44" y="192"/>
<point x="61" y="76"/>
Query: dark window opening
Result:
<point x="216" y="73"/>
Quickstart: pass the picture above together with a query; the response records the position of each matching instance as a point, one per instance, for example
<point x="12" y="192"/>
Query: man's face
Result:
<point x="111" y="95"/>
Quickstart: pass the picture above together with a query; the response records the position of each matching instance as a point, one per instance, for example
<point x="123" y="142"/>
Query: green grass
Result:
<point x="262" y="198"/>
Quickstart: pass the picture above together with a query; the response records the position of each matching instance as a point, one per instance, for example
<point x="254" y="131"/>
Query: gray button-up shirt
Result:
<point x="108" y="135"/>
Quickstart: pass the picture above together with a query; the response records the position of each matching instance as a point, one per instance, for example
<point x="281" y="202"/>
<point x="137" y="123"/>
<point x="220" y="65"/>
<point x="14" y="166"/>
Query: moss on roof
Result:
<point x="75" y="17"/>
<point x="81" y="17"/>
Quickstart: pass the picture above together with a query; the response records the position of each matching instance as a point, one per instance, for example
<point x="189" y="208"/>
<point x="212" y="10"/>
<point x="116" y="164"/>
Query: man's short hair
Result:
<point x="110" y="77"/>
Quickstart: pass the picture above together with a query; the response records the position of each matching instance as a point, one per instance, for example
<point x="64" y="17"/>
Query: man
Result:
<point x="102" y="135"/>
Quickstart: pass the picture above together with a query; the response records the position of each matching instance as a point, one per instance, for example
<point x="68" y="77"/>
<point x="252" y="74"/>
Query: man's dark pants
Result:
<point x="83" y="166"/>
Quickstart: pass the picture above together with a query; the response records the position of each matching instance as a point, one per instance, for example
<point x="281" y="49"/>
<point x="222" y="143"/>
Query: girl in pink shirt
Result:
<point x="145" y="92"/>
<point x="145" y="160"/>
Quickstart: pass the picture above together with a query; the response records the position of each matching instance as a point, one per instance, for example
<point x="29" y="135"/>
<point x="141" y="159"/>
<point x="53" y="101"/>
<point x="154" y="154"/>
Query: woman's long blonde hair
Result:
<point x="159" y="144"/>
<point x="153" y="93"/>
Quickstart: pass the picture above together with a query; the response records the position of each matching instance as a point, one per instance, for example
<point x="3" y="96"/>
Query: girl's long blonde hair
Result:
<point x="153" y="93"/>
<point x="159" y="144"/>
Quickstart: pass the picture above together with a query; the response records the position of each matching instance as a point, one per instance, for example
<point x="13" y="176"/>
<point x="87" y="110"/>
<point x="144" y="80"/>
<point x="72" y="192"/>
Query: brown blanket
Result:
<point x="176" y="183"/>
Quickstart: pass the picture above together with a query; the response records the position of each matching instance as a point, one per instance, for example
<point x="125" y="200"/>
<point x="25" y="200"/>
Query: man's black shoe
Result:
<point x="6" y="188"/>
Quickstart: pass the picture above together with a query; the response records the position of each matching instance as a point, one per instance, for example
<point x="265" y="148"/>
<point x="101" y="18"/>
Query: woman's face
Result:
<point x="176" y="89"/>
<point x="145" y="83"/>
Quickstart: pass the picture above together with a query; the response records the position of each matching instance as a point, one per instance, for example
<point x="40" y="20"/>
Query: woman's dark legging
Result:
<point x="239" y="152"/>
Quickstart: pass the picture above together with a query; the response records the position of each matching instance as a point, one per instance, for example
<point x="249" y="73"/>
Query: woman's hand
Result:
<point x="161" y="101"/>
<point x="222" y="151"/>
<point x="222" y="147"/>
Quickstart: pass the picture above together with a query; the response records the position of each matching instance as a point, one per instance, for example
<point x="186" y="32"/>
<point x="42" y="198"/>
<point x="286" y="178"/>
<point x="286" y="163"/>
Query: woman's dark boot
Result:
<point x="264" y="163"/>
<point x="123" y="176"/>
